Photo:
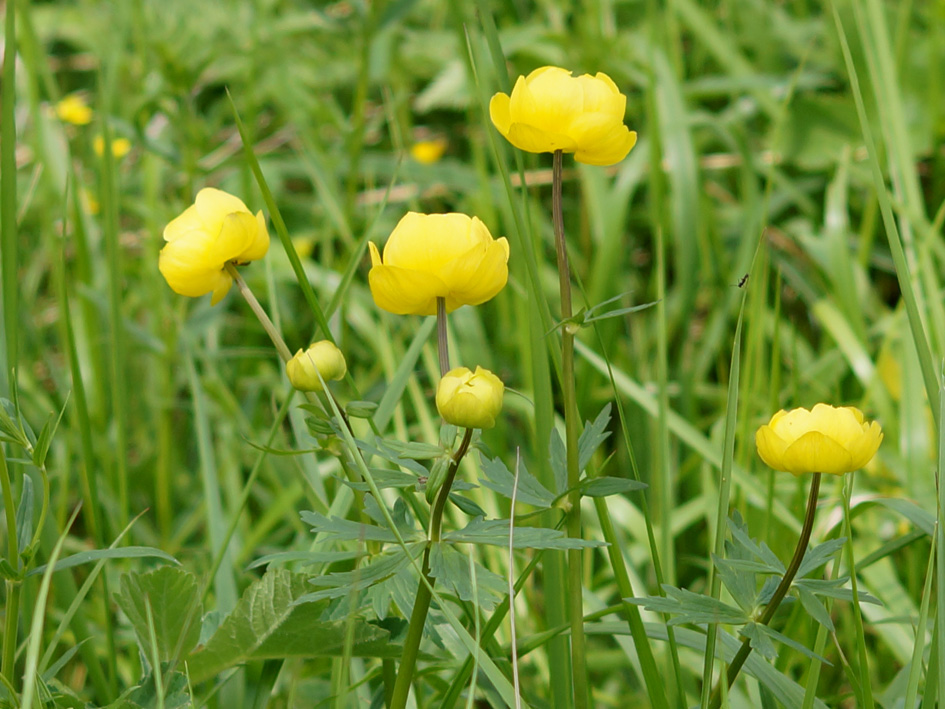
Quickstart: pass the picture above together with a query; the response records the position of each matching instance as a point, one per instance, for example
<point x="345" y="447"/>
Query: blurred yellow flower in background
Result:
<point x="217" y="229"/>
<point x="430" y="256"/>
<point x="470" y="399"/>
<point x="551" y="110"/>
<point x="428" y="152"/>
<point x="320" y="358"/>
<point x="826" y="439"/>
<point x="120" y="146"/>
<point x="74" y="109"/>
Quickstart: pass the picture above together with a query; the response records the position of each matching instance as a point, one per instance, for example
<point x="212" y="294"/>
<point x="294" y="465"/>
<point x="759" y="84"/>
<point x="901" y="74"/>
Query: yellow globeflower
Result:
<point x="428" y="152"/>
<point x="826" y="439"/>
<point x="217" y="229"/>
<point x="320" y="358"/>
<point x="120" y="146"/>
<point x="551" y="110"/>
<point x="73" y="109"/>
<point x="470" y="399"/>
<point x="430" y="256"/>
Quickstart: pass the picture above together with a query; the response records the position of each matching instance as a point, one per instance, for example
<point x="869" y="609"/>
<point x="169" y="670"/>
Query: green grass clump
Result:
<point x="773" y="241"/>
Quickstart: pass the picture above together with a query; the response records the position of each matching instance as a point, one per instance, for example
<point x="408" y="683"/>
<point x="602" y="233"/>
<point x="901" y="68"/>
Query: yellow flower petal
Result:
<point x="825" y="439"/>
<point x="551" y="110"/>
<point x="405" y="291"/>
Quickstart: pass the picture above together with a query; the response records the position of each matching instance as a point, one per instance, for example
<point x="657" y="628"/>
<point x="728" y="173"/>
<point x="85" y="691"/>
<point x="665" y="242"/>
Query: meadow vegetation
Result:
<point x="182" y="527"/>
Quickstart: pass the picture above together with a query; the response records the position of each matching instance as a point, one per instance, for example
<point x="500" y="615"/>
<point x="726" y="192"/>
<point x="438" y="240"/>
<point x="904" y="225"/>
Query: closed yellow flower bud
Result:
<point x="470" y="399"/>
<point x="74" y="109"/>
<point x="217" y="229"/>
<point x="826" y="439"/>
<point x="551" y="110"/>
<point x="430" y="256"/>
<point x="320" y="358"/>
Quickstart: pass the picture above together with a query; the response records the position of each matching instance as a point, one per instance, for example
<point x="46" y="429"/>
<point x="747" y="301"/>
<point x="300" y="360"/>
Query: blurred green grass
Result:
<point x="749" y="137"/>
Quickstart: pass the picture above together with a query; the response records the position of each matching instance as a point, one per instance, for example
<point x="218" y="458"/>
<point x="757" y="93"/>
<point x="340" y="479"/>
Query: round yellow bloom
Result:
<point x="470" y="399"/>
<point x="826" y="439"/>
<point x="120" y="146"/>
<point x="320" y="358"/>
<point x="428" y="152"/>
<point x="74" y="109"/>
<point x="430" y="256"/>
<point x="217" y="229"/>
<point x="551" y="110"/>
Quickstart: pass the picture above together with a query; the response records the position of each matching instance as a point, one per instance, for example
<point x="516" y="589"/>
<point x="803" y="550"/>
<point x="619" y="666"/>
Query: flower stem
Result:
<point x="421" y="604"/>
<point x="257" y="309"/>
<point x="572" y="425"/>
<point x="442" y="342"/>
<point x="745" y="650"/>
<point x="12" y="610"/>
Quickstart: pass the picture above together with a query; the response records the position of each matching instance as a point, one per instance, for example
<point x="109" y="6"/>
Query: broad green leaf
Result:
<point x="763" y="634"/>
<point x="496" y="533"/>
<point x="451" y="568"/>
<point x="760" y="642"/>
<point x="832" y="588"/>
<point x="144" y="695"/>
<point x="267" y="623"/>
<point x="814" y="607"/>
<point x="85" y="557"/>
<point x="175" y="609"/>
<point x="740" y="583"/>
<point x="497" y="477"/>
<point x="606" y="486"/>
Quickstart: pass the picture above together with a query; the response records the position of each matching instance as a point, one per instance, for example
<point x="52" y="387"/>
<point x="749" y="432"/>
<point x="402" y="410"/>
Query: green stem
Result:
<point x="572" y="431"/>
<point x="12" y="611"/>
<point x="745" y="650"/>
<point x="257" y="309"/>
<point x="442" y="342"/>
<point x="421" y="605"/>
<point x="42" y="512"/>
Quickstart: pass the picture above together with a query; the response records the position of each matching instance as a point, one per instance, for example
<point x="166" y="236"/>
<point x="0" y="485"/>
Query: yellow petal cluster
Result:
<point x="73" y="109"/>
<point x="217" y="229"/>
<point x="826" y="439"/>
<point x="322" y="358"/>
<point x="430" y="256"/>
<point x="551" y="110"/>
<point x="427" y="152"/>
<point x="120" y="146"/>
<point x="470" y="399"/>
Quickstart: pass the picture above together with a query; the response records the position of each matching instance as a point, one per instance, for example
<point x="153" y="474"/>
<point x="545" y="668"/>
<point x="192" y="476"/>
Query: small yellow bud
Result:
<point x="826" y="439"/>
<point x="427" y="152"/>
<point x="320" y="358"/>
<point x="120" y="146"/>
<point x="470" y="400"/>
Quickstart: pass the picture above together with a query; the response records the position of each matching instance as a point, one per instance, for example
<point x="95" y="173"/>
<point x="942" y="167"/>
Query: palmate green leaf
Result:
<point x="401" y="516"/>
<point x="269" y="623"/>
<point x="592" y="436"/>
<point x="740" y="583"/>
<point x="762" y="637"/>
<point x="761" y="551"/>
<point x="689" y="607"/>
<point x="24" y="515"/>
<point x="176" y="610"/>
<point x="833" y="588"/>
<point x="387" y="453"/>
<point x="558" y="455"/>
<point x="606" y="486"/>
<point x="304" y="557"/>
<point x="820" y="555"/>
<point x="451" y="568"/>
<point x="384" y="478"/>
<point x="497" y="477"/>
<point x="496" y="533"/>
<point x="378" y="569"/>
<point x="395" y="450"/>
<point x="814" y="607"/>
<point x="345" y="530"/>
